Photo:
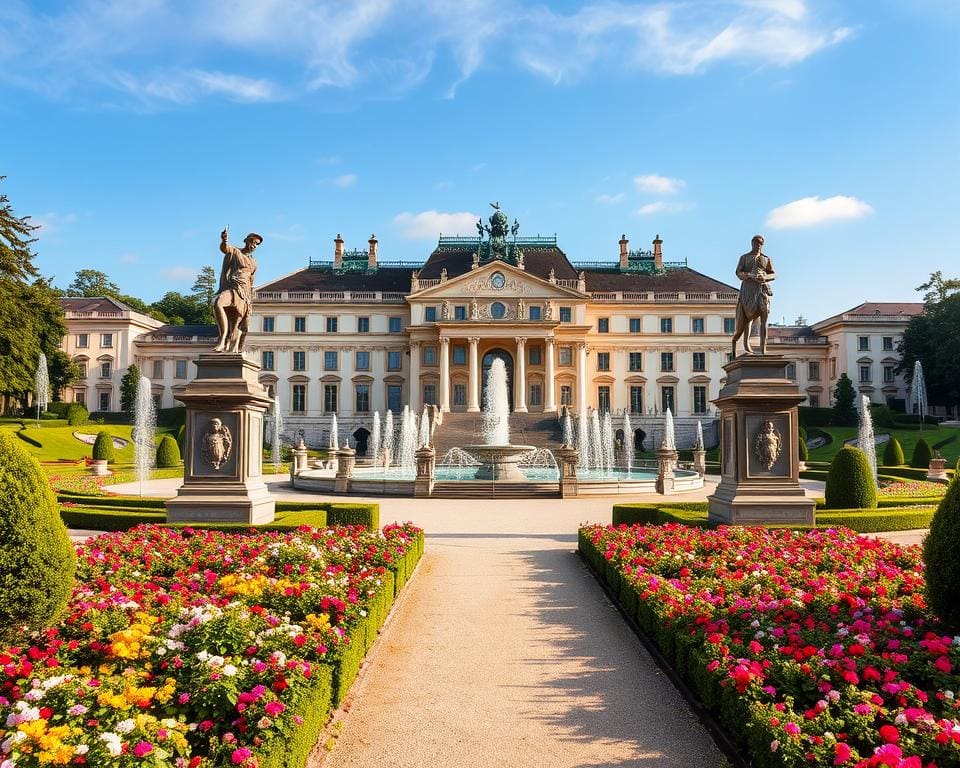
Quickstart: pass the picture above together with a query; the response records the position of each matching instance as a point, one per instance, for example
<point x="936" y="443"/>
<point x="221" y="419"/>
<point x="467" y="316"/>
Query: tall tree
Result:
<point x="16" y="236"/>
<point x="844" y="411"/>
<point x="128" y="388"/>
<point x="64" y="373"/>
<point x="205" y="286"/>
<point x="180" y="309"/>
<point x="92" y="282"/>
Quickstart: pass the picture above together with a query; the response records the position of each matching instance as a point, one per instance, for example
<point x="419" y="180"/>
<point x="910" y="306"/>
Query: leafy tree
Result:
<point x="128" y="388"/>
<point x="180" y="309"/>
<point x="205" y="286"/>
<point x="92" y="282"/>
<point x="16" y="257"/>
<point x="938" y="289"/>
<point x="64" y="373"/>
<point x="844" y="412"/>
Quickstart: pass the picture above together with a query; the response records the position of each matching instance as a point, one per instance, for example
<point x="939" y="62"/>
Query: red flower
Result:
<point x="889" y="734"/>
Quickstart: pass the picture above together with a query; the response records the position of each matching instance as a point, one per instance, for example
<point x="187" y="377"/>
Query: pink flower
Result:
<point x="143" y="749"/>
<point x="240" y="756"/>
<point x="274" y="708"/>
<point x="792" y="728"/>
<point x="841" y="753"/>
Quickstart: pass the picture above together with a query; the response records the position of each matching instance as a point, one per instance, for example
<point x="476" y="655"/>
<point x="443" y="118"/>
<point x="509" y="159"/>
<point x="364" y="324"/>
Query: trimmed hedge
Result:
<point x="876" y="520"/>
<point x="850" y="483"/>
<point x="77" y="414"/>
<point x="168" y="453"/>
<point x="808" y="416"/>
<point x="921" y="455"/>
<point x="103" y="449"/>
<point x="802" y="451"/>
<point x="941" y="553"/>
<point x="893" y="453"/>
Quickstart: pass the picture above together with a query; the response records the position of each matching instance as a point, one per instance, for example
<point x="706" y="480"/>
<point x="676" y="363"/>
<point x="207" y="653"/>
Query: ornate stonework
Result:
<point x="216" y="444"/>
<point x="767" y="445"/>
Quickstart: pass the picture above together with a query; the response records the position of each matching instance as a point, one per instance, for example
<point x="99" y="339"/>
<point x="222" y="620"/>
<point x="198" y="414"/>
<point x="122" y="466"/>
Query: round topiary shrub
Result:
<point x="103" y="449"/>
<point x="921" y="455"/>
<point x="802" y="451"/>
<point x="941" y="553"/>
<point x="893" y="453"/>
<point x="850" y="483"/>
<point x="77" y="414"/>
<point x="168" y="453"/>
<point x="36" y="557"/>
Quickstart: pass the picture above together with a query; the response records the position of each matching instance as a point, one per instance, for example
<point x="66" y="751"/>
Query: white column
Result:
<point x="473" y="396"/>
<point x="520" y="398"/>
<point x="445" y="375"/>
<point x="581" y="377"/>
<point x="414" y="376"/>
<point x="551" y="401"/>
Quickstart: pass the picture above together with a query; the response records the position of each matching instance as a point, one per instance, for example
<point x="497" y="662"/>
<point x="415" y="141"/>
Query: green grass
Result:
<point x="908" y="439"/>
<point x="59" y="444"/>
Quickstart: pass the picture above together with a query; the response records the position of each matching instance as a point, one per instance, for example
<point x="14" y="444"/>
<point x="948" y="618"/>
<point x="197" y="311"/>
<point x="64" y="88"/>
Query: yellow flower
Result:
<point x="115" y="700"/>
<point x="33" y="728"/>
<point x="140" y="697"/>
<point x="320" y="622"/>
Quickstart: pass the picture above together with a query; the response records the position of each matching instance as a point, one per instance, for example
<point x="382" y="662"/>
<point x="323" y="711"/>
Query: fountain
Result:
<point x="596" y="442"/>
<point x="918" y="393"/>
<point x="145" y="427"/>
<point x="405" y="454"/>
<point x="276" y="427"/>
<point x="498" y="458"/>
<point x="583" y="439"/>
<point x="567" y="429"/>
<point x="375" y="439"/>
<point x="628" y="442"/>
<point x="334" y="443"/>
<point x="424" y="438"/>
<point x="669" y="440"/>
<point x="389" y="447"/>
<point x="865" y="438"/>
<point x="699" y="444"/>
<point x="607" y="447"/>
<point x="42" y="386"/>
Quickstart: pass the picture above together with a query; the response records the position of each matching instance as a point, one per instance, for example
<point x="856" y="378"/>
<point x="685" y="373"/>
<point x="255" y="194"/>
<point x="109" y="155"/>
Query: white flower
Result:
<point x="112" y="740"/>
<point x="82" y="749"/>
<point x="948" y="695"/>
<point x="229" y="670"/>
<point x="774" y="745"/>
<point x="125" y="726"/>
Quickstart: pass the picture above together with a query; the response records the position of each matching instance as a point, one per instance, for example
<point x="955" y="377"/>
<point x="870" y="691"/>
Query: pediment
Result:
<point x="479" y="283"/>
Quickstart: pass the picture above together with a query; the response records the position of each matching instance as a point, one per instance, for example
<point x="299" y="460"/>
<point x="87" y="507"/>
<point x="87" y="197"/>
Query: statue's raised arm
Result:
<point x="233" y="305"/>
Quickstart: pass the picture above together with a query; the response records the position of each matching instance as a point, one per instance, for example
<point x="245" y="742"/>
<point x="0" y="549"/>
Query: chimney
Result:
<point x="372" y="253"/>
<point x="657" y="254"/>
<point x="624" y="257"/>
<point x="338" y="252"/>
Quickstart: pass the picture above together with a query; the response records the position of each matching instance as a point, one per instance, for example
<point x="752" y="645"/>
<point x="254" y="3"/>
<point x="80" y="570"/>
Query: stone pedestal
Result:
<point x="759" y="482"/>
<point x="666" y="463"/>
<point x="567" y="458"/>
<point x="700" y="461"/>
<point x="100" y="468"/>
<point x="426" y="464"/>
<point x="223" y="457"/>
<point x="937" y="472"/>
<point x="346" y="457"/>
<point x="299" y="460"/>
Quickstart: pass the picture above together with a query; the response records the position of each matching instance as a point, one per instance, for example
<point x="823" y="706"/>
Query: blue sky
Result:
<point x="134" y="130"/>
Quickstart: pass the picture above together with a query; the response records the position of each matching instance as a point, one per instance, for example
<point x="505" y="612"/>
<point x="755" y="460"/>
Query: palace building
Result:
<point x="637" y="334"/>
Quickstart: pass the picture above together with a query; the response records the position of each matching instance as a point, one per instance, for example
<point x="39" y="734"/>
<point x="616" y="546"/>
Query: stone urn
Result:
<point x="937" y="471"/>
<point x="99" y="467"/>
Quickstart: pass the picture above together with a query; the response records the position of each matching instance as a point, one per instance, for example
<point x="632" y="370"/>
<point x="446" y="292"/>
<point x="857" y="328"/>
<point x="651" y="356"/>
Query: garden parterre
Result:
<point x="814" y="647"/>
<point x="191" y="648"/>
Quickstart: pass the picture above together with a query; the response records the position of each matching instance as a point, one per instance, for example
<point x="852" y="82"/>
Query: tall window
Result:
<point x="699" y="399"/>
<point x="300" y="324"/>
<point x="666" y="399"/>
<point x="429" y="355"/>
<point x="80" y="397"/>
<point x="393" y="360"/>
<point x="430" y="314"/>
<point x="666" y="325"/>
<point x="666" y="361"/>
<point x="865" y="373"/>
<point x="636" y="399"/>
<point x="536" y="355"/>
<point x="888" y="375"/>
<point x="603" y="325"/>
<point x="833" y="367"/>
<point x="104" y="401"/>
<point x="394" y="325"/>
<point x="459" y="394"/>
<point x="566" y="315"/>
<point x="333" y="323"/>
<point x="363" y="325"/>
<point x="331" y="400"/>
<point x="181" y="372"/>
<point x="299" y="404"/>
<point x="888" y="343"/>
<point x="83" y="370"/>
<point x="158" y="369"/>
<point x="698" y="325"/>
<point x="565" y="356"/>
<point x="459" y="355"/>
<point x="863" y="343"/>
<point x="331" y="360"/>
<point x="300" y="360"/>
<point x="106" y="340"/>
<point x="362" y="398"/>
<point x="534" y="313"/>
<point x="636" y="361"/>
<point x="699" y="361"/>
<point x="106" y="369"/>
<point x="792" y="371"/>
<point x="267" y="324"/>
<point x="266" y="360"/>
<point x="362" y="362"/>
<point x="394" y="396"/>
<point x="429" y="394"/>
<point x="814" y="401"/>
<point x="460" y="312"/>
<point x="634" y="325"/>
<point x="535" y="394"/>
<point x="603" y="361"/>
<point x="729" y="324"/>
<point x="603" y="399"/>
<point x="813" y="371"/>
<point x="566" y="394"/>
<point x="83" y="340"/>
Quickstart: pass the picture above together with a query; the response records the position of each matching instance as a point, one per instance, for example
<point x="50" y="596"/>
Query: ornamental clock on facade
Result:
<point x="497" y="280"/>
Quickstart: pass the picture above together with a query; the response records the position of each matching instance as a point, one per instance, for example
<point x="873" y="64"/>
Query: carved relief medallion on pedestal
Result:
<point x="216" y="442"/>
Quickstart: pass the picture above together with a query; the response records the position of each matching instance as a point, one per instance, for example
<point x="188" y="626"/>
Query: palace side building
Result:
<point x="355" y="334"/>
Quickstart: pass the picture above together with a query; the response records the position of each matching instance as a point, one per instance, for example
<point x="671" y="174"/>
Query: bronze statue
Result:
<point x="755" y="270"/>
<point x="233" y="305"/>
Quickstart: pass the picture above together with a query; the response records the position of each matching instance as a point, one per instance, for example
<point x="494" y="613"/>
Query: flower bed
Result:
<point x="193" y="648"/>
<point x="911" y="489"/>
<point x="813" y="648"/>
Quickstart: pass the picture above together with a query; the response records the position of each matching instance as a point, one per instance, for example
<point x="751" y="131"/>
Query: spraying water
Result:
<point x="389" y="437"/>
<point x="865" y="438"/>
<point x="334" y="433"/>
<point x="669" y="440"/>
<point x="42" y="386"/>
<point x="145" y="427"/>
<point x="496" y="412"/>
<point x="276" y="427"/>
<point x="607" y="448"/>
<point x="699" y="444"/>
<point x="628" y="441"/>
<point x="918" y="393"/>
<point x="583" y="439"/>
<point x="375" y="439"/>
<point x="596" y="442"/>
<point x="406" y="450"/>
<point x="424" y="439"/>
<point x="567" y="429"/>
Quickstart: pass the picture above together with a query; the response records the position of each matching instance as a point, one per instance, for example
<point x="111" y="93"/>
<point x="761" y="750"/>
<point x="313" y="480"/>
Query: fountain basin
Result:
<point x="499" y="462"/>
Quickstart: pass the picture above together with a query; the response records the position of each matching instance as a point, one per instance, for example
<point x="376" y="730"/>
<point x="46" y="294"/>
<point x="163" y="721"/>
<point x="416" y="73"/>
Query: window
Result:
<point x="460" y="312"/>
<point x="393" y="361"/>
<point x="394" y="325"/>
<point x="429" y="394"/>
<point x="429" y="355"/>
<point x="268" y="324"/>
<point x="603" y="399"/>
<point x="80" y="397"/>
<point x="333" y="323"/>
<point x="459" y="394"/>
<point x="729" y="324"/>
<point x="666" y="361"/>
<point x="394" y="396"/>
<point x="266" y="360"/>
<point x="106" y="340"/>
<point x="813" y="371"/>
<point x="105" y="371"/>
<point x="459" y="355"/>
<point x="330" y="361"/>
<point x="699" y="361"/>
<point x="362" y="362"/>
<point x="536" y="355"/>
<point x="603" y="325"/>
<point x="666" y="399"/>
<point x="330" y="398"/>
<point x="888" y="375"/>
<point x="497" y="310"/>
<point x="104" y="401"/>
<point x="636" y="399"/>
<point x="363" y="325"/>
<point x="833" y="367"/>
<point x="814" y="401"/>
<point x="430" y="314"/>
<point x="865" y="373"/>
<point x="271" y="391"/>
<point x="158" y="369"/>
<point x="565" y="356"/>
<point x="299" y="404"/>
<point x="636" y="361"/>
<point x="888" y="343"/>
<point x="362" y="398"/>
<point x="566" y="394"/>
<point x="83" y="370"/>
<point x="566" y="315"/>
<point x="535" y="313"/>
<point x="792" y="371"/>
<point x="300" y="325"/>
<point x="666" y="325"/>
<point x="698" y="325"/>
<point x="603" y="361"/>
<point x="863" y="343"/>
<point x="699" y="399"/>
<point x="83" y="340"/>
<point x="634" y="325"/>
<point x="181" y="372"/>
<point x="536" y="394"/>
<point x="299" y="360"/>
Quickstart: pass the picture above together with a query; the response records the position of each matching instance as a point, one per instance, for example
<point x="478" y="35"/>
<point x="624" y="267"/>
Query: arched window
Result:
<point x="497" y="310"/>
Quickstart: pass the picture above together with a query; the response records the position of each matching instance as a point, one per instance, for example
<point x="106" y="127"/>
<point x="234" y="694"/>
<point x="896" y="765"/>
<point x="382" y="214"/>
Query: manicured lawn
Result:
<point x="59" y="444"/>
<point x="908" y="439"/>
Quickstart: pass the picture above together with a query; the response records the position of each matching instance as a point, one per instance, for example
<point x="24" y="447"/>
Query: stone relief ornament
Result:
<point x="445" y="310"/>
<point x="767" y="445"/>
<point x="215" y="444"/>
<point x="548" y="311"/>
<point x="521" y="310"/>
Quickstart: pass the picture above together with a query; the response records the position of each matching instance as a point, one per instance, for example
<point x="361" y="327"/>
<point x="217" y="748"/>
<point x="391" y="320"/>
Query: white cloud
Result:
<point x="346" y="180"/>
<point x="428" y="225"/>
<point x="51" y="223"/>
<point x="188" y="86"/>
<point x="610" y="199"/>
<point x="659" y="185"/>
<point x="661" y="206"/>
<point x="811" y="211"/>
<point x="129" y="258"/>
<point x="180" y="274"/>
